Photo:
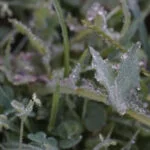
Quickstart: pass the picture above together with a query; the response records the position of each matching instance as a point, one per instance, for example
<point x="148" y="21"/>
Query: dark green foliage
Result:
<point x="95" y="117"/>
<point x="73" y="75"/>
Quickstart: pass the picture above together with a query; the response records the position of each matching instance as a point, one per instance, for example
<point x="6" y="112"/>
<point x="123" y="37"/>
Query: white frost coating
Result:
<point x="104" y="73"/>
<point x="97" y="11"/>
<point x="116" y="99"/>
<point x="75" y="73"/>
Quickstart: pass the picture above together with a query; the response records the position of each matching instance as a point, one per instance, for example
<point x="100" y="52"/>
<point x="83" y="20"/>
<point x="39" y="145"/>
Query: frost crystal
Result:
<point x="97" y="12"/>
<point x="75" y="73"/>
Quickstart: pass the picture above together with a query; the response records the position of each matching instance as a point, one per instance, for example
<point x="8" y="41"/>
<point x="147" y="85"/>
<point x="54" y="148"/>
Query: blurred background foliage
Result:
<point x="71" y="122"/>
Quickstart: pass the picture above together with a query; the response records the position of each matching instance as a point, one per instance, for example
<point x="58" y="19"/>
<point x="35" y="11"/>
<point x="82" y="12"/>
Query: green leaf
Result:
<point x="95" y="117"/>
<point x="38" y="137"/>
<point x="51" y="144"/>
<point x="68" y="143"/>
<point x="69" y="129"/>
<point x="7" y="94"/>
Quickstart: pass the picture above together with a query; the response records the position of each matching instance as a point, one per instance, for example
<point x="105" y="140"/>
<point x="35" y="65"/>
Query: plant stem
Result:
<point x="104" y="35"/>
<point x="54" y="110"/>
<point x="127" y="17"/>
<point x="21" y="134"/>
<point x="133" y="4"/>
<point x="65" y="36"/>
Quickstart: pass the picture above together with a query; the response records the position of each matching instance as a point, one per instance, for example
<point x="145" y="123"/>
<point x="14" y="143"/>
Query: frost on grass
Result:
<point x="104" y="73"/>
<point x="122" y="88"/>
<point x="35" y="41"/>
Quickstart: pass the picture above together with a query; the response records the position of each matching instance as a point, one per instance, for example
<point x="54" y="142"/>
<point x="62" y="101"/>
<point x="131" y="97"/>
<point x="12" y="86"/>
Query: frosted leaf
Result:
<point x="136" y="104"/>
<point x="127" y="79"/>
<point x="18" y="106"/>
<point x="86" y="84"/>
<point x="128" y="75"/>
<point x="116" y="99"/>
<point x="104" y="73"/>
<point x="122" y="89"/>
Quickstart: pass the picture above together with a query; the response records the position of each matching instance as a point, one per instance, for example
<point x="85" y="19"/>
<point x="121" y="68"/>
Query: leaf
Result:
<point x="121" y="90"/>
<point x="38" y="137"/>
<point x="51" y="144"/>
<point x="95" y="117"/>
<point x="7" y="94"/>
<point x="69" y="143"/>
<point x="127" y="80"/>
<point x="18" y="106"/>
<point x="104" y="74"/>
<point x="69" y="129"/>
<point x="128" y="75"/>
<point x="22" y="111"/>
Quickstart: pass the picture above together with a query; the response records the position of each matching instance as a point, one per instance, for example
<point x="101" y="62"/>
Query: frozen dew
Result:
<point x="137" y="106"/>
<point x="97" y="10"/>
<point x="5" y="10"/>
<point x="36" y="99"/>
<point x="145" y="105"/>
<point x="124" y="56"/>
<point x="68" y="83"/>
<point x="138" y="88"/>
<point x="115" y="66"/>
<point x="122" y="90"/>
<point x="75" y="73"/>
<point x="133" y="141"/>
<point x="116" y="99"/>
<point x="73" y="24"/>
<point x="141" y="63"/>
<point x="104" y="73"/>
<point x="138" y="44"/>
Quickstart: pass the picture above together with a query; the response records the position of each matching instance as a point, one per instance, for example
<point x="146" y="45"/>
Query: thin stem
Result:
<point x="127" y="17"/>
<point x="64" y="34"/>
<point x="104" y="35"/>
<point x="54" y="110"/>
<point x="113" y="12"/>
<point x="21" y="134"/>
<point x="133" y="4"/>
<point x="84" y="108"/>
